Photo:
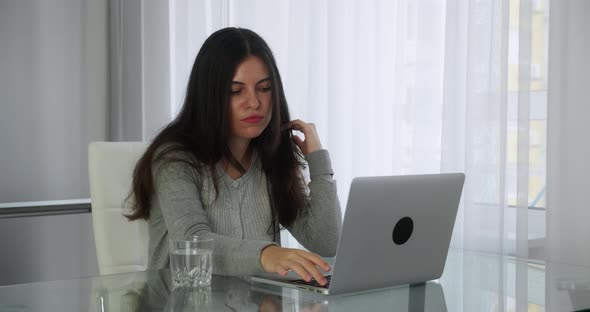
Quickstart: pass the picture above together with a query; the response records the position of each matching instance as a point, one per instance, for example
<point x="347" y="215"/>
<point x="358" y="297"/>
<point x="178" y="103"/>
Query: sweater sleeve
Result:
<point x="318" y="229"/>
<point x="178" y="197"/>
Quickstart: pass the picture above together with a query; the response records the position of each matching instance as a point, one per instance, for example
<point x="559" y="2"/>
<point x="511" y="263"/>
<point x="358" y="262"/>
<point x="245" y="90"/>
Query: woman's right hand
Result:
<point x="275" y="259"/>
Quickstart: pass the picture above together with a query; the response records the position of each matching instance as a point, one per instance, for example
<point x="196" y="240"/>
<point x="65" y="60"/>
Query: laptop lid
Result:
<point x="396" y="231"/>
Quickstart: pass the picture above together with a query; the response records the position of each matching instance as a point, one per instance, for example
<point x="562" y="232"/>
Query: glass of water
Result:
<point x="190" y="262"/>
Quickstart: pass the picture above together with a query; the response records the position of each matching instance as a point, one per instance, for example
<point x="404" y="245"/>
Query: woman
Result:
<point x="229" y="168"/>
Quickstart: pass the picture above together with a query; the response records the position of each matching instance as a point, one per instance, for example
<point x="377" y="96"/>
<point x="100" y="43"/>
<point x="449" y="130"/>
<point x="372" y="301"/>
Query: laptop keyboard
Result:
<point x="313" y="282"/>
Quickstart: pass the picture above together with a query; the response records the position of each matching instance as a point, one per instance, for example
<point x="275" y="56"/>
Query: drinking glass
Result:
<point x="190" y="261"/>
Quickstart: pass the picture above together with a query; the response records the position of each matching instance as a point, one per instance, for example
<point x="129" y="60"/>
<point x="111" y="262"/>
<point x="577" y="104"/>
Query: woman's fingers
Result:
<point x="299" y="125"/>
<point x="313" y="270"/>
<point x="299" y="143"/>
<point x="308" y="262"/>
<point x="299" y="270"/>
<point x="312" y="140"/>
<point x="303" y="263"/>
<point x="317" y="260"/>
<point x="281" y="270"/>
<point x="296" y="124"/>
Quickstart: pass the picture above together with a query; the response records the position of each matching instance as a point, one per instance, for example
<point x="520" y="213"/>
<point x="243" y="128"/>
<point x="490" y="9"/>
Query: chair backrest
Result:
<point x="121" y="245"/>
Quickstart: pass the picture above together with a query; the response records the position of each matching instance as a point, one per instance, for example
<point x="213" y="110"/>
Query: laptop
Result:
<point x="396" y="231"/>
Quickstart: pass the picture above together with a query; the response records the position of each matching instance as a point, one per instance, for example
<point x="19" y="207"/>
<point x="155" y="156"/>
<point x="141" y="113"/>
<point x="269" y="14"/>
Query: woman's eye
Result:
<point x="265" y="89"/>
<point x="233" y="92"/>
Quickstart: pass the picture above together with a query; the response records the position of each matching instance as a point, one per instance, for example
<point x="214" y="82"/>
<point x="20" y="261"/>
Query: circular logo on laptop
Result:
<point x="403" y="230"/>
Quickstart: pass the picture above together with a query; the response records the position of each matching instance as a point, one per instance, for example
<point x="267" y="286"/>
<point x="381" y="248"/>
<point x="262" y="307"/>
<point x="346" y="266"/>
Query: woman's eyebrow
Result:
<point x="263" y="80"/>
<point x="259" y="81"/>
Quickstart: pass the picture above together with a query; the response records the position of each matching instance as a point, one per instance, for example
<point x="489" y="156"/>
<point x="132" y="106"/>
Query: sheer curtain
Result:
<point x="403" y="87"/>
<point x="399" y="87"/>
<point x="394" y="88"/>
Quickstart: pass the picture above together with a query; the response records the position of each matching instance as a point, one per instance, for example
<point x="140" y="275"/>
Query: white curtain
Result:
<point x="395" y="87"/>
<point x="403" y="87"/>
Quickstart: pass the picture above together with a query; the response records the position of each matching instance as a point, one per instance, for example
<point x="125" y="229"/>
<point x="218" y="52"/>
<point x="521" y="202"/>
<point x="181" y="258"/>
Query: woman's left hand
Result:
<point x="312" y="140"/>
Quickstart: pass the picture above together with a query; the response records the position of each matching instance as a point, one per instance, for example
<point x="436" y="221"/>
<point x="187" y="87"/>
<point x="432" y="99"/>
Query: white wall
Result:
<point x="53" y="102"/>
<point x="139" y="60"/>
<point x="71" y="72"/>
<point x="53" y="87"/>
<point x="46" y="248"/>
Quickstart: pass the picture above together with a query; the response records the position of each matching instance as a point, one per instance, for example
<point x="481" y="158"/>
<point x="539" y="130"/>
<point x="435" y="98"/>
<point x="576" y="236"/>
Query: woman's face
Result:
<point x="250" y="104"/>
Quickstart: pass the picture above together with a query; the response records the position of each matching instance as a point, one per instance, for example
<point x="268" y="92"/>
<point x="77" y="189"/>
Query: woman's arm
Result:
<point x="182" y="210"/>
<point x="319" y="229"/>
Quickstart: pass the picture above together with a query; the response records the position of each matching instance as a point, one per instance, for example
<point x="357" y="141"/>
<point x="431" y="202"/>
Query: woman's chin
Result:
<point x="250" y="134"/>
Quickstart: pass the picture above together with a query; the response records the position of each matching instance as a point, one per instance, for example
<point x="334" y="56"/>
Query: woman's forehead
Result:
<point x="251" y="70"/>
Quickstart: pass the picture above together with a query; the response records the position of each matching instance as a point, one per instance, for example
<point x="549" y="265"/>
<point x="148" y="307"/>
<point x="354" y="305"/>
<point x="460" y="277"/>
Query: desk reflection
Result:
<point x="420" y="298"/>
<point x="224" y="294"/>
<point x="235" y="294"/>
<point x="471" y="282"/>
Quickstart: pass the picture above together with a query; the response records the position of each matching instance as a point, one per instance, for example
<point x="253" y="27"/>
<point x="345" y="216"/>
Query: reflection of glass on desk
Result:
<point x="189" y="299"/>
<point x="224" y="294"/>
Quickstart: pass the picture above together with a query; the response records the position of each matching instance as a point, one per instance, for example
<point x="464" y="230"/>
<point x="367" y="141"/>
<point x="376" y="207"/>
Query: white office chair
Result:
<point x="121" y="246"/>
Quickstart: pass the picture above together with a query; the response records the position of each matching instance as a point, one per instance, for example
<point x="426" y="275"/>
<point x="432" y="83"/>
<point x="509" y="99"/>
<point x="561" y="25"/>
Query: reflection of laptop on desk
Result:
<point x="426" y="297"/>
<point x="396" y="231"/>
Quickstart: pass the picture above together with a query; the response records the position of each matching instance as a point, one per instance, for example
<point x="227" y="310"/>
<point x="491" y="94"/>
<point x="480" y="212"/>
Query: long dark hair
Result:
<point x="201" y="130"/>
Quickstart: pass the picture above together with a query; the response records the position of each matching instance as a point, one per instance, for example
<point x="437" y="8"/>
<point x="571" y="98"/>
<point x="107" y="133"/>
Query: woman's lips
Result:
<point x="253" y="119"/>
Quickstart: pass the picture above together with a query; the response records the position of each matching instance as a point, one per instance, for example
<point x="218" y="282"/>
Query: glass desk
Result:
<point x="471" y="282"/>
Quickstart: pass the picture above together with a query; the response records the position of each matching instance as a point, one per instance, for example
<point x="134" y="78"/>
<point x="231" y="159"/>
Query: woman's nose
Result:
<point x="253" y="100"/>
